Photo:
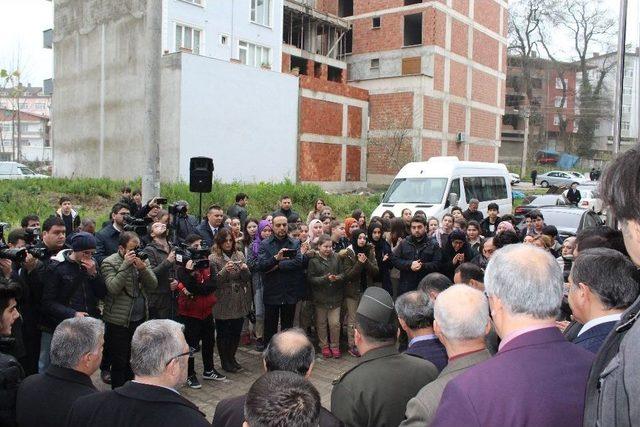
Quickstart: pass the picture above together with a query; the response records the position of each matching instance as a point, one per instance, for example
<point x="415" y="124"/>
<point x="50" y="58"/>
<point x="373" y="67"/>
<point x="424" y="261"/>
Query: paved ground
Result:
<point x="324" y="372"/>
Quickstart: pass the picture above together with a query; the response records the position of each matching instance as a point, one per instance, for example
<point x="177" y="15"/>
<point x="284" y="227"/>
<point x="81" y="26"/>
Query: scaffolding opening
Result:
<point x="300" y="64"/>
<point x="334" y="74"/>
<point x="413" y="29"/>
<point x="345" y="8"/>
<point x="409" y="2"/>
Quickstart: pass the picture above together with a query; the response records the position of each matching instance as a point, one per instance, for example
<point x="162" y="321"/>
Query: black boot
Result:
<point x="225" y="360"/>
<point x="235" y="343"/>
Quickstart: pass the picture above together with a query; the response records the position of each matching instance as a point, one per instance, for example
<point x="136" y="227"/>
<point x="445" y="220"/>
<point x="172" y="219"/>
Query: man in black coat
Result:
<point x="288" y="351"/>
<point x="239" y="209"/>
<point x="286" y="210"/>
<point x="44" y="400"/>
<point x="209" y="227"/>
<point x="281" y="262"/>
<point x="472" y="213"/>
<point x="416" y="256"/>
<point x="11" y="373"/>
<point x="107" y="238"/>
<point x="159" y="356"/>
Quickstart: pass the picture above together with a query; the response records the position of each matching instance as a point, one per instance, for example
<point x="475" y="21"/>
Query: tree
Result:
<point x="14" y="90"/>
<point x="393" y="137"/>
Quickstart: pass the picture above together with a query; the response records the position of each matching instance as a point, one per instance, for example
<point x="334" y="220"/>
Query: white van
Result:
<point x="437" y="185"/>
<point x="15" y="170"/>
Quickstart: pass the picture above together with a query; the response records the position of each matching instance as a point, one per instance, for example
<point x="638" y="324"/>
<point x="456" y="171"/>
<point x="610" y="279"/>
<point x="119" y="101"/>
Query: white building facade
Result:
<point x="248" y="31"/>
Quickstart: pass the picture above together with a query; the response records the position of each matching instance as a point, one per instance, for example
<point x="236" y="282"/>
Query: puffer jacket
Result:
<point x="123" y="282"/>
<point x="11" y="375"/>
<point x="201" y="284"/>
<point x="326" y="294"/>
<point x="284" y="281"/>
<point x="352" y="270"/>
<point x="234" y="288"/>
<point x="162" y="268"/>
<point x="69" y="289"/>
<point x="410" y="250"/>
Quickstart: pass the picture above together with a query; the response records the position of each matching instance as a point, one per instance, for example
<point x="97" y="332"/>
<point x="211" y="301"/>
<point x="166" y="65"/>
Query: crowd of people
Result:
<point x="464" y="320"/>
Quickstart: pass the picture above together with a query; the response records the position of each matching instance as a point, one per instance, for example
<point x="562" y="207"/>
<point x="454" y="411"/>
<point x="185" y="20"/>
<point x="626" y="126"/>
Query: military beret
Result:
<point x="377" y="305"/>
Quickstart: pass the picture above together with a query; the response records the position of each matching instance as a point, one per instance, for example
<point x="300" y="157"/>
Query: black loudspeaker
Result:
<point x="200" y="174"/>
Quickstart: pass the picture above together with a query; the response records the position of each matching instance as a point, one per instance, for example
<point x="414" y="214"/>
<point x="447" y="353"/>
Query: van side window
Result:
<point x="485" y="188"/>
<point x="455" y="187"/>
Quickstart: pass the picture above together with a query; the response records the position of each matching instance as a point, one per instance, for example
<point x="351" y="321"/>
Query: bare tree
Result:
<point x="13" y="89"/>
<point x="394" y="137"/>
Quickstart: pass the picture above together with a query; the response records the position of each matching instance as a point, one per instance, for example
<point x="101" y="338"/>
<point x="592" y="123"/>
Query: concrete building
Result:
<point x="32" y="100"/>
<point x="24" y="136"/>
<point x="435" y="72"/>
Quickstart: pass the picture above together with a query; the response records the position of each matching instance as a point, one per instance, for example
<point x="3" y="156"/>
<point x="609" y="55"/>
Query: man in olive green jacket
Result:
<point x="376" y="392"/>
<point x="128" y="278"/>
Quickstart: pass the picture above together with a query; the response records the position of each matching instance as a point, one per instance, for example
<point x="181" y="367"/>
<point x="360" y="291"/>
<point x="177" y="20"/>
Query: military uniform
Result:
<point x="376" y="392"/>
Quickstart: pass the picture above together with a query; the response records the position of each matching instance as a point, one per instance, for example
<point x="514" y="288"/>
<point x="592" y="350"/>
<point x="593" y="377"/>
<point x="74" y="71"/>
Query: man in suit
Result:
<point x="415" y="315"/>
<point x="159" y="356"/>
<point x="537" y="378"/>
<point x="76" y="351"/>
<point x="376" y="391"/>
<point x="289" y="350"/>
<point x="601" y="287"/>
<point x="209" y="227"/>
<point x="461" y="323"/>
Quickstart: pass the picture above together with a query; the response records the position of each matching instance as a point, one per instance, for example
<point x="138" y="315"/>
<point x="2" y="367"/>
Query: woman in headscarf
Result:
<point x="383" y="256"/>
<point x="264" y="232"/>
<point x="350" y="224"/>
<point x="315" y="231"/>
<point x="455" y="252"/>
<point x="360" y="267"/>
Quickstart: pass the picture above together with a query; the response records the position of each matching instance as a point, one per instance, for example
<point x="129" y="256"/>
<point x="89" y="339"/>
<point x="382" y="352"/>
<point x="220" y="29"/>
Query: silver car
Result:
<point x="558" y="178"/>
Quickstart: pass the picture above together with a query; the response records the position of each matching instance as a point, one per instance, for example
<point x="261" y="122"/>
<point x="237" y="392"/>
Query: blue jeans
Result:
<point x="45" y="348"/>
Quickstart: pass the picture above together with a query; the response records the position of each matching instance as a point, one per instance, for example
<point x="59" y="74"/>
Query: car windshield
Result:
<point x="416" y="190"/>
<point x="26" y="171"/>
<point x="577" y="174"/>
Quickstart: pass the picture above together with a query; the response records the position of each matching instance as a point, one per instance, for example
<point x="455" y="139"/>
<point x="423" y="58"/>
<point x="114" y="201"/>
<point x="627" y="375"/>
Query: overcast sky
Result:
<point x="22" y="23"/>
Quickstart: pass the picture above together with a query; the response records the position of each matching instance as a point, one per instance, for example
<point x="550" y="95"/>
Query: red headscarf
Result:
<point x="348" y="222"/>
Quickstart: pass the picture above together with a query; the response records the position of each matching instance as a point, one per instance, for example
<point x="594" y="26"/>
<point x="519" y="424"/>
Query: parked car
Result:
<point x="590" y="198"/>
<point x="535" y="202"/>
<point x="15" y="170"/>
<point x="558" y="178"/>
<point x="569" y="220"/>
<point x="578" y="175"/>
<point x="515" y="178"/>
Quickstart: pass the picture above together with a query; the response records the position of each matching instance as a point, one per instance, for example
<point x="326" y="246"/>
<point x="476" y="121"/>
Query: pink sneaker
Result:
<point x="336" y="353"/>
<point x="326" y="353"/>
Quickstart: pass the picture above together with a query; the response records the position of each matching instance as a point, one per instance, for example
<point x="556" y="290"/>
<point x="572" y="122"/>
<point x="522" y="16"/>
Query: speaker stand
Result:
<point x="200" y="209"/>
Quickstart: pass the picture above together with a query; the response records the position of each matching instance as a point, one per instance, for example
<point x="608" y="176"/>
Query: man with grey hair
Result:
<point x="159" y="354"/>
<point x="461" y="323"/>
<point x="472" y="213"/>
<point x="415" y="315"/>
<point x="537" y="378"/>
<point x="76" y="352"/>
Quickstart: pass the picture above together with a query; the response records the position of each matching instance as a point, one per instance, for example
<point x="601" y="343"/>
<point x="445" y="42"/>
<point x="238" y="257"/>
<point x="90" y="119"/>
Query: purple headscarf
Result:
<point x="256" y="241"/>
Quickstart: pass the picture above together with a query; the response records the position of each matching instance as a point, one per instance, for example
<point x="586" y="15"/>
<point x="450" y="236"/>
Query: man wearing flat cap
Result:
<point x="73" y="285"/>
<point x="376" y="391"/>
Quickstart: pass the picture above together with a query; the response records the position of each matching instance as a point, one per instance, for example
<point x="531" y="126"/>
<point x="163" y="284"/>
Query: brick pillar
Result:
<point x="343" y="76"/>
<point x="286" y="63"/>
<point x="310" y="65"/>
<point x="324" y="72"/>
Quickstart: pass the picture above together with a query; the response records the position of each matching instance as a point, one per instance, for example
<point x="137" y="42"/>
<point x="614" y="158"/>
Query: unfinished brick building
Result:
<point x="435" y="73"/>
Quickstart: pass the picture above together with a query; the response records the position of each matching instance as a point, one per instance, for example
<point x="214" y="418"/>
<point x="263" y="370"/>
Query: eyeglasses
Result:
<point x="188" y="353"/>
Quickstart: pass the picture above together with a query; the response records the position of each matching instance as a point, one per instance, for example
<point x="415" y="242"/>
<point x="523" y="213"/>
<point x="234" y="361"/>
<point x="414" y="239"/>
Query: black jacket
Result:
<point x="291" y="215"/>
<point x="484" y="227"/>
<point x="11" y="375"/>
<point x="162" y="268"/>
<point x="44" y="400"/>
<point x="106" y="242"/>
<point x="138" y="405"/>
<point x="476" y="216"/>
<point x="68" y="289"/>
<point x="574" y="196"/>
<point x="182" y="226"/>
<point x="408" y="251"/>
<point x="237" y="211"/>
<point x="204" y="230"/>
<point x="448" y="269"/>
<point x="283" y="281"/>
<point x="230" y="413"/>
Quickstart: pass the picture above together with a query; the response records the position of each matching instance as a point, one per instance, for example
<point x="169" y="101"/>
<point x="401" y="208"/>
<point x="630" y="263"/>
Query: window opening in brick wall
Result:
<point x="348" y="42"/>
<point x="299" y="63"/>
<point x="334" y="74"/>
<point x="408" y="2"/>
<point x="375" y="63"/>
<point x="413" y="29"/>
<point x="345" y="8"/>
<point x="375" y="22"/>
<point x="317" y="69"/>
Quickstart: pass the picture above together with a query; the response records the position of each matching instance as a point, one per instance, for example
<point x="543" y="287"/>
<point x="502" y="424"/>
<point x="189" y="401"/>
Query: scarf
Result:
<point x="256" y="241"/>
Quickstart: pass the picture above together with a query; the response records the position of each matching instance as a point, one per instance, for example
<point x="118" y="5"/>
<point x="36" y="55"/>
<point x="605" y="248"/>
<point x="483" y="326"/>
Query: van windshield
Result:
<point x="416" y="190"/>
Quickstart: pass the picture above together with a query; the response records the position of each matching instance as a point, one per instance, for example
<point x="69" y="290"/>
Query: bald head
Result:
<point x="290" y="351"/>
<point x="527" y="280"/>
<point x="462" y="313"/>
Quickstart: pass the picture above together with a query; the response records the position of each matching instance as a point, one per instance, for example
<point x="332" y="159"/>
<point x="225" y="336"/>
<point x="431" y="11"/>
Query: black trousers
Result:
<point x="274" y="313"/>
<point x="228" y="334"/>
<point x="196" y="330"/>
<point x="118" y="342"/>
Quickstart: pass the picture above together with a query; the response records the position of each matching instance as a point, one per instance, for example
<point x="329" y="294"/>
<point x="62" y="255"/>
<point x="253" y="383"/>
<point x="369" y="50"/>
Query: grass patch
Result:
<point x="94" y="197"/>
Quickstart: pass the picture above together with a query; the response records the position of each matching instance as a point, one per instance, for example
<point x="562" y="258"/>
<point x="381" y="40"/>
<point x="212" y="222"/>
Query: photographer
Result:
<point x="128" y="278"/>
<point x="72" y="286"/>
<point x="197" y="282"/>
<point x="234" y="297"/>
<point x="107" y="238"/>
<point x="161" y="259"/>
<point x="182" y="224"/>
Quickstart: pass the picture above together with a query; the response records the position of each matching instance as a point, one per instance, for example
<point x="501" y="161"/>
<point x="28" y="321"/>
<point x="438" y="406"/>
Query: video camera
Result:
<point x="137" y="225"/>
<point x="200" y="257"/>
<point x="178" y="209"/>
<point x="142" y="255"/>
<point x="18" y="255"/>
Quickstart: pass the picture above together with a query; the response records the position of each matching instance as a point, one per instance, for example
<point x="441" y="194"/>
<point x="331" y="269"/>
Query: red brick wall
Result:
<point x="431" y="148"/>
<point x="459" y="36"/>
<point x="432" y="114"/>
<point x="483" y="124"/>
<point x="433" y="27"/>
<point x="364" y="6"/>
<point x="485" y="49"/>
<point x="353" y="163"/>
<point x="327" y="6"/>
<point x="388" y="36"/>
<point x="438" y="72"/>
<point x="391" y="110"/>
<point x="355" y="122"/>
<point x="457" y="118"/>
<point x="320" y="162"/>
<point x="455" y="149"/>
<point x="378" y="161"/>
<point x="479" y="153"/>
<point x="327" y="86"/>
<point x="485" y="88"/>
<point x="461" y="6"/>
<point x="320" y="117"/>
<point x="487" y="13"/>
<point x="458" y="79"/>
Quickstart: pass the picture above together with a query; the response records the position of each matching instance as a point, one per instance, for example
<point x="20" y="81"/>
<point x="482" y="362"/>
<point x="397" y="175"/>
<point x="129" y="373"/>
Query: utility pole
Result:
<point x="525" y="145"/>
<point x="622" y="36"/>
<point x="152" y="76"/>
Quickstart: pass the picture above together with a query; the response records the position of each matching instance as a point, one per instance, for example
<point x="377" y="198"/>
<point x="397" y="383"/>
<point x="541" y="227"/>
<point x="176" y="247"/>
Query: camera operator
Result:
<point x="209" y="227"/>
<point x="182" y="224"/>
<point x="197" y="282"/>
<point x="107" y="238"/>
<point x="161" y="259"/>
<point x="30" y="221"/>
<point x="72" y="287"/>
<point x="128" y="278"/>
